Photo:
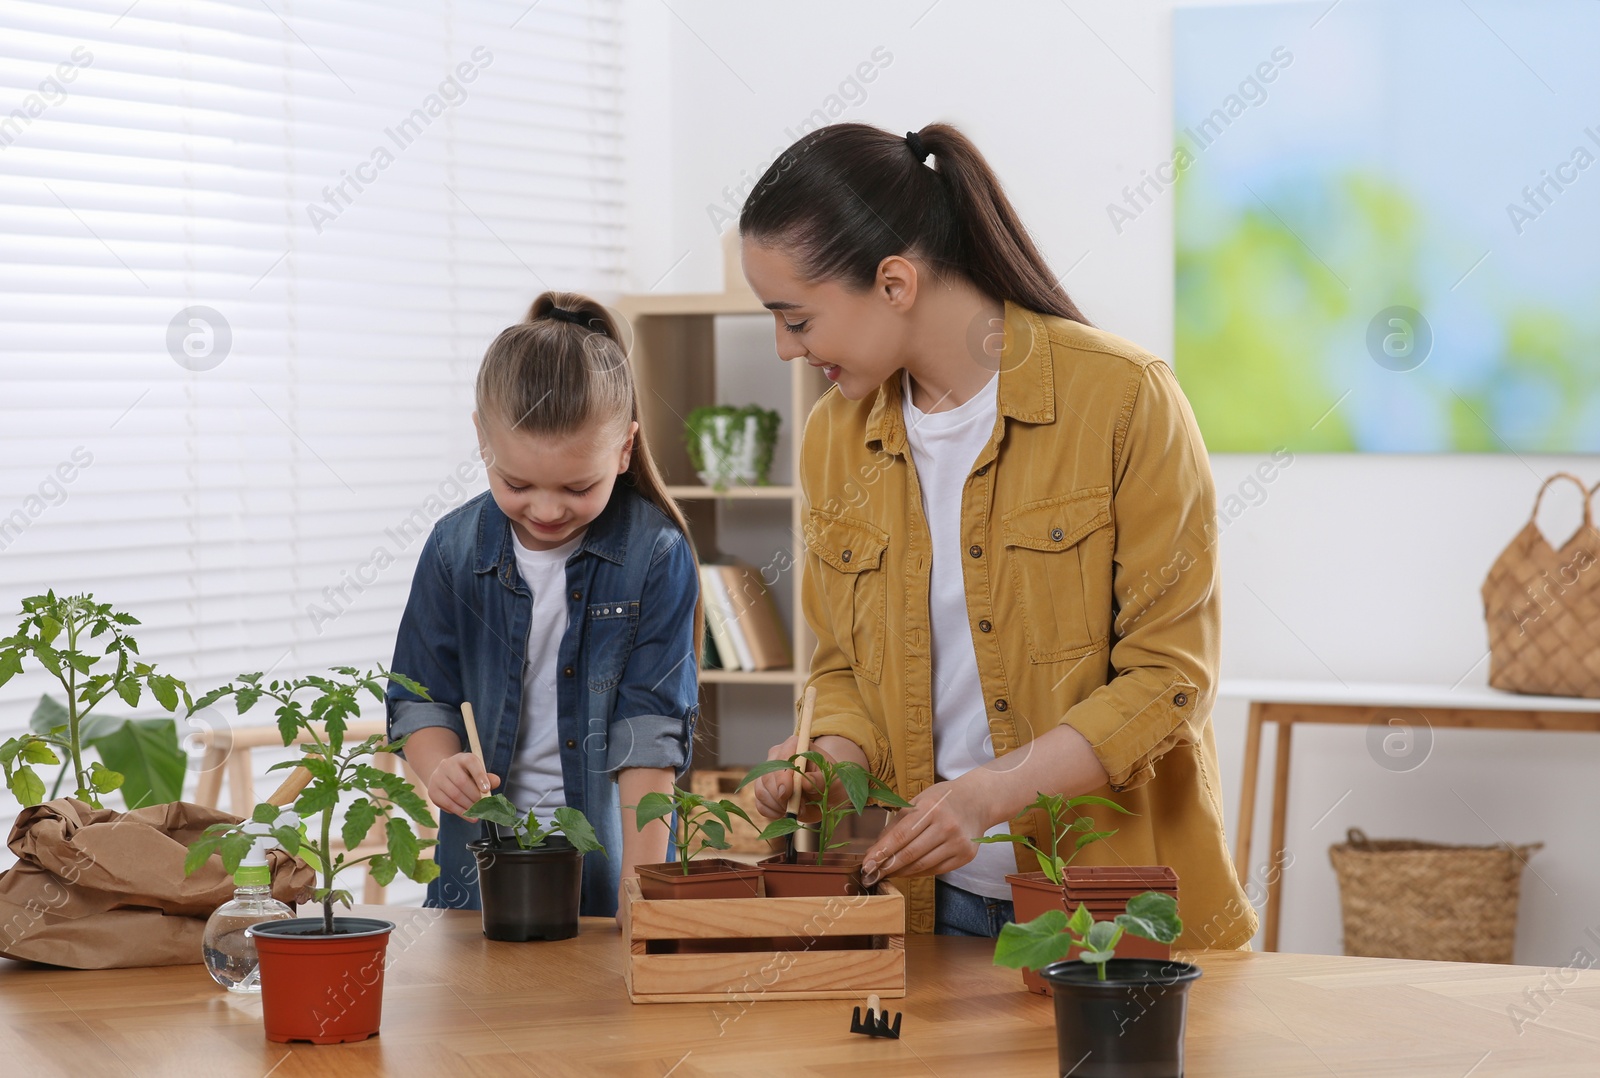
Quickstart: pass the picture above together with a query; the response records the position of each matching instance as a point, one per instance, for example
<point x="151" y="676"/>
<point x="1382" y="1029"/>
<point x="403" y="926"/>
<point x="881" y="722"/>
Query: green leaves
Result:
<point x="579" y="831"/>
<point x="1153" y="916"/>
<point x="498" y="809"/>
<point x="1051" y="935"/>
<point x="26" y="785"/>
<point x="147" y="754"/>
<point x="358" y="821"/>
<point x="653" y="806"/>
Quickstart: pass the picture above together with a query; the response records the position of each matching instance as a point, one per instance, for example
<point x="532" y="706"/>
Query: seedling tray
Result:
<point x="751" y="949"/>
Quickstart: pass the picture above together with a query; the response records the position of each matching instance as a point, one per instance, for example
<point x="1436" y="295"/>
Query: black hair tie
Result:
<point x="561" y="314"/>
<point x="920" y="151"/>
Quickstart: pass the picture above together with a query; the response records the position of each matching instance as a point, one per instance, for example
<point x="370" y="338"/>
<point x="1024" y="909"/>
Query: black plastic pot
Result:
<point x="1128" y="1026"/>
<point x="529" y="894"/>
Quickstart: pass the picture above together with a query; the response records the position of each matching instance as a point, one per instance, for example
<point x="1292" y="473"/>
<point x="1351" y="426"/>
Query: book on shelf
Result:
<point x="755" y="625"/>
<point x="713" y="596"/>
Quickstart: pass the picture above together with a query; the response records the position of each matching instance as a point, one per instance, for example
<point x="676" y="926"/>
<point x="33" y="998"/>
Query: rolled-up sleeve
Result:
<point x="1166" y="642"/>
<point x="658" y="700"/>
<point x="427" y="651"/>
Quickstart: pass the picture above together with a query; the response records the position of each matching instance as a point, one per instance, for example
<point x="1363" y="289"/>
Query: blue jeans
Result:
<point x="957" y="912"/>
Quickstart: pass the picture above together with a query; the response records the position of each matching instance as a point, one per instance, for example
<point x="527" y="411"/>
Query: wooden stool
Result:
<point x="229" y="751"/>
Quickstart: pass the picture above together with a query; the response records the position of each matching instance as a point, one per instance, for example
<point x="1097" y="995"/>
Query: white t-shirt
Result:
<point x="535" y="781"/>
<point x="944" y="447"/>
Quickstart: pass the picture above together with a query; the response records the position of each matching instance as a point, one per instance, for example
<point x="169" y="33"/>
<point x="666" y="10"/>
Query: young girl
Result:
<point x="1009" y="569"/>
<point x="563" y="604"/>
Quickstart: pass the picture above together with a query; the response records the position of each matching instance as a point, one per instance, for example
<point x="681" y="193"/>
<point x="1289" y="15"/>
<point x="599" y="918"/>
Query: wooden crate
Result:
<point x="876" y="922"/>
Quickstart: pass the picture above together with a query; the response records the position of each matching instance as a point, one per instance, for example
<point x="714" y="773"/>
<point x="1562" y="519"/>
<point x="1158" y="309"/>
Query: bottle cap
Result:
<point x="253" y="876"/>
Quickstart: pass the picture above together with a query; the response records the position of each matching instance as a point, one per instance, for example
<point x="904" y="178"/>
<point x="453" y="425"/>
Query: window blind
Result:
<point x="250" y="256"/>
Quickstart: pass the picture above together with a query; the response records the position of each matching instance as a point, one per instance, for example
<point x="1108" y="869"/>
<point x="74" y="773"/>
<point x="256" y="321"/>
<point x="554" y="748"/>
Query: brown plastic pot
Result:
<point x="317" y="988"/>
<point x="839" y="874"/>
<point x="1032" y="894"/>
<point x="711" y="877"/>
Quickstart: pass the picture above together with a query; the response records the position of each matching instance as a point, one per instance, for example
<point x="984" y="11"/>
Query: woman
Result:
<point x="1009" y="528"/>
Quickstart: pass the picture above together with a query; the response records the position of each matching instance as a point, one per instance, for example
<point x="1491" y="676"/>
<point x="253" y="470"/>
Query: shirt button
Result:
<point x="577" y="596"/>
<point x="1000" y="705"/>
<point x="567" y="671"/>
<point x="844" y="556"/>
<point x="571" y="744"/>
<point x="1057" y="534"/>
<point x="984" y="625"/>
<point x="1181" y="699"/>
<point x="975" y="550"/>
<point x="982" y="471"/>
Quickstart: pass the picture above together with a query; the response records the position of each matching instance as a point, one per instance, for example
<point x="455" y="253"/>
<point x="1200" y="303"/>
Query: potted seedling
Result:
<point x="702" y="824"/>
<point x="823" y="873"/>
<point x="85" y="645"/>
<point x="731" y="445"/>
<point x="322" y="977"/>
<point x="1115" y="1017"/>
<point x="530" y="886"/>
<point x="1034" y="892"/>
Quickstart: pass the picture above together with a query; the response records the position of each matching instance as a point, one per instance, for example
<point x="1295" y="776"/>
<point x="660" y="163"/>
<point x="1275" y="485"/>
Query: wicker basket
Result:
<point x="1423" y="900"/>
<point x="1542" y="606"/>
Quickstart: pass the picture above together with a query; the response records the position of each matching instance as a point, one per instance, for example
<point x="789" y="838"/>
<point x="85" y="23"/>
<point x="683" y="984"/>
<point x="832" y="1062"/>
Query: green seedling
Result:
<point x="1050" y="936"/>
<point x="527" y="830"/>
<point x="337" y="769"/>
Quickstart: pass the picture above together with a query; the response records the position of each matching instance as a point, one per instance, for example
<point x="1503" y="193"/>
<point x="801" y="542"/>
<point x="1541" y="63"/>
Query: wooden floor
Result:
<point x="457" y="1004"/>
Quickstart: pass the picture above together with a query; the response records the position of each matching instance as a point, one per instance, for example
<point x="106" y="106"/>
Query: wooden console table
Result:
<point x="458" y="1004"/>
<point x="1290" y="702"/>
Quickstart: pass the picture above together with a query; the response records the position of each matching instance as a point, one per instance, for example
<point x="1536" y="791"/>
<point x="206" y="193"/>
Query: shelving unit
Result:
<point x="675" y="363"/>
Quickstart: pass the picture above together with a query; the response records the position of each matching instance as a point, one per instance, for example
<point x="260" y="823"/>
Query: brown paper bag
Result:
<point x="101" y="889"/>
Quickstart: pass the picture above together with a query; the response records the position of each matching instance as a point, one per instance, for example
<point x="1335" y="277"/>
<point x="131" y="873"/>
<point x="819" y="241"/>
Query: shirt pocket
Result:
<point x="609" y="631"/>
<point x="853" y="587"/>
<point x="1059" y="551"/>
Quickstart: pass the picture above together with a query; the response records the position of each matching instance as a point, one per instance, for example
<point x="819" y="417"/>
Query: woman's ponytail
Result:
<point x="846" y="196"/>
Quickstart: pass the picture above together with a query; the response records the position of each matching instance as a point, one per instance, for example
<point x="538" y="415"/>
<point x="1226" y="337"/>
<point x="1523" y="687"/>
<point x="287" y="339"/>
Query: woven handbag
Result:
<point x="1543" y="608"/>
<point x="1421" y="900"/>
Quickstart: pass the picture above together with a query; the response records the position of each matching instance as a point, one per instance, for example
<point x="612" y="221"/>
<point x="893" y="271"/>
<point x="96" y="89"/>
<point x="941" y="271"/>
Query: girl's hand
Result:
<point x="459" y="782"/>
<point x="773" y="791"/>
<point x="935" y="835"/>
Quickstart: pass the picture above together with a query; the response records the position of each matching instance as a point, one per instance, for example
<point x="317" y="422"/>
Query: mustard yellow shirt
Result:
<point x="1092" y="592"/>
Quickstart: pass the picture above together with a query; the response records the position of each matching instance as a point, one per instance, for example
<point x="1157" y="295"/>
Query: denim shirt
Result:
<point x="626" y="684"/>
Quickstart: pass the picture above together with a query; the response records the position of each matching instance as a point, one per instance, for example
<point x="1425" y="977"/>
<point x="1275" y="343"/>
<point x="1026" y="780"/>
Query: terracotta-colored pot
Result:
<point x="1032" y="894"/>
<point x="322" y="989"/>
<point x="839" y="874"/>
<point x="710" y="877"/>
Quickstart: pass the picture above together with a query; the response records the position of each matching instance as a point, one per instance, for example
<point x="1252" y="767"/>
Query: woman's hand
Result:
<point x="773" y="791"/>
<point x="459" y="782"/>
<point x="935" y="835"/>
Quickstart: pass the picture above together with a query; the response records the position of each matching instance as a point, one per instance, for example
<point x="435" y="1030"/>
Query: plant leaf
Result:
<point x="1035" y="944"/>
<point x="403" y="848"/>
<point x="780" y="828"/>
<point x="856" y="782"/>
<point x="652" y="806"/>
<point x="48" y="713"/>
<point x="579" y="831"/>
<point x="26" y="785"/>
<point x="1081" y="921"/>
<point x="38" y="752"/>
<point x="498" y="809"/>
<point x="358" y="821"/>
<point x="318" y="797"/>
<point x="147" y="753"/>
<point x="103" y="779"/>
<point x="713" y="836"/>
<point x="1103" y="936"/>
<point x="382" y="870"/>
<point x="200" y="852"/>
<point x="767" y="767"/>
<point x="1092" y="799"/>
<point x="1153" y="916"/>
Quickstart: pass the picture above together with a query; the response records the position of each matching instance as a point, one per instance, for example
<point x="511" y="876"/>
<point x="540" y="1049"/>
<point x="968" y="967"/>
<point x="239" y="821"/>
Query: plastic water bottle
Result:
<point x="230" y="954"/>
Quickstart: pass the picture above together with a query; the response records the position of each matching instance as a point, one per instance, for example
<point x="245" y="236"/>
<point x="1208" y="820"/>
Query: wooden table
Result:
<point x="1380" y="706"/>
<point x="456" y="1004"/>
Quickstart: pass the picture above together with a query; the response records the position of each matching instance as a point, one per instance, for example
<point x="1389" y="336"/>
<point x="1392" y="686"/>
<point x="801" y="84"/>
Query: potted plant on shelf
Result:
<point x="1115" y="1017"/>
<point x="56" y="633"/>
<point x="823" y="873"/>
<point x="531" y="887"/>
<point x="322" y="977"/>
<point x="731" y="445"/>
<point x="702" y="824"/>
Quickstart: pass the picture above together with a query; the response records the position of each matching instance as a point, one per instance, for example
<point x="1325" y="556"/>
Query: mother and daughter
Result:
<point x="1009" y="566"/>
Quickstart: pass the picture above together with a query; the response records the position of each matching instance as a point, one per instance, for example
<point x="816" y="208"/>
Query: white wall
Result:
<point x="1364" y="568"/>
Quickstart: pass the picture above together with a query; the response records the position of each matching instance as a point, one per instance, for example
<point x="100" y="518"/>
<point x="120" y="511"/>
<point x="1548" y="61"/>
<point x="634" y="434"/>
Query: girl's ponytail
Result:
<point x="565" y="370"/>
<point x="846" y="196"/>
